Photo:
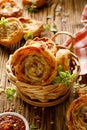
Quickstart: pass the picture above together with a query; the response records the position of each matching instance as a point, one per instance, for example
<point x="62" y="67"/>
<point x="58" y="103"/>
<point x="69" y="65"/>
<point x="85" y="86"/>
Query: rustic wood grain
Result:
<point x="50" y="118"/>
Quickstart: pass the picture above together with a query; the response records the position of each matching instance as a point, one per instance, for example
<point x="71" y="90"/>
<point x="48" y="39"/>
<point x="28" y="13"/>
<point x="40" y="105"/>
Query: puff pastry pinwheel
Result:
<point x="11" y="31"/>
<point x="35" y="63"/>
<point x="63" y="58"/>
<point x="10" y="8"/>
<point x="37" y="3"/>
<point x="77" y="114"/>
<point x="31" y="26"/>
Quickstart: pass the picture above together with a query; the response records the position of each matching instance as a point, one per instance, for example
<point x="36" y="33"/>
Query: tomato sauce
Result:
<point x="11" y="122"/>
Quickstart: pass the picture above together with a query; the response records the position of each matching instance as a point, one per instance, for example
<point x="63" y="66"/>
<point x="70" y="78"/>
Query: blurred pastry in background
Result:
<point x="31" y="27"/>
<point x="11" y="31"/>
<point x="10" y="8"/>
<point x="37" y="3"/>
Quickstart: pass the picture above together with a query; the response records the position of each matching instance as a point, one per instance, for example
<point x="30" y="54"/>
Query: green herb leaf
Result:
<point x="60" y="68"/>
<point x="28" y="35"/>
<point x="64" y="77"/>
<point x="54" y="28"/>
<point x="62" y="74"/>
<point x="79" y="79"/>
<point x="3" y="22"/>
<point x="26" y="7"/>
<point x="57" y="80"/>
<point x="24" y="25"/>
<point x="32" y="8"/>
<point x="10" y="92"/>
<point x="46" y="27"/>
<point x="32" y="126"/>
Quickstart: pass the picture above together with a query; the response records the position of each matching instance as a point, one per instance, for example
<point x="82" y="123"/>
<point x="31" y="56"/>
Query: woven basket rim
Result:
<point x="44" y="104"/>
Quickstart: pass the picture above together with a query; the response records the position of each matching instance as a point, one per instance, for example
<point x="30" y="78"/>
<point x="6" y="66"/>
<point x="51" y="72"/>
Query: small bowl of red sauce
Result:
<point x="13" y="121"/>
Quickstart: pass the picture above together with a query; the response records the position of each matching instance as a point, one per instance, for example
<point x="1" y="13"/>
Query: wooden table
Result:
<point x="66" y="14"/>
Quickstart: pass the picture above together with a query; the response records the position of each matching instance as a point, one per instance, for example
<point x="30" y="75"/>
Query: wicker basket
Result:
<point x="44" y="96"/>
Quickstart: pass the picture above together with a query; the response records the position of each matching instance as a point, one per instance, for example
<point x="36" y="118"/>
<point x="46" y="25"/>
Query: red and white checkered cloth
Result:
<point x="80" y="43"/>
<point x="84" y="15"/>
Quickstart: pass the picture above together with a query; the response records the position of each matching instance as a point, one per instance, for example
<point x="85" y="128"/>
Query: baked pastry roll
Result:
<point x="34" y="63"/>
<point x="11" y="31"/>
<point x="30" y="25"/>
<point x="77" y="114"/>
<point x="10" y="8"/>
<point x="63" y="58"/>
<point x="45" y="42"/>
<point x="37" y="3"/>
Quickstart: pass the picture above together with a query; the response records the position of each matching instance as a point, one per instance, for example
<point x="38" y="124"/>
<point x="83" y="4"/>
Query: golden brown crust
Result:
<point x="63" y="58"/>
<point x="31" y="25"/>
<point x="77" y="114"/>
<point x="9" y="8"/>
<point x="34" y="64"/>
<point x="46" y="42"/>
<point x="11" y="33"/>
<point x="38" y="3"/>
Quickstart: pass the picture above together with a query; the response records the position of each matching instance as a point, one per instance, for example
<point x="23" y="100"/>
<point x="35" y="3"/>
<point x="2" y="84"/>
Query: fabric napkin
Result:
<point x="80" y="43"/>
<point x="84" y="15"/>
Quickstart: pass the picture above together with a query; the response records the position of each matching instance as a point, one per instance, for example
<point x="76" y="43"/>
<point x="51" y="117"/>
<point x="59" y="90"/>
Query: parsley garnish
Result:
<point x="64" y="77"/>
<point x="10" y="92"/>
<point x="31" y="8"/>
<point x="54" y="28"/>
<point x="28" y="35"/>
<point x="46" y="27"/>
<point x="24" y="25"/>
<point x="3" y="22"/>
<point x="32" y="126"/>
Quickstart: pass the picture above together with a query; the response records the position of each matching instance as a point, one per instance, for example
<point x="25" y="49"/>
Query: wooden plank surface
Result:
<point x="50" y="118"/>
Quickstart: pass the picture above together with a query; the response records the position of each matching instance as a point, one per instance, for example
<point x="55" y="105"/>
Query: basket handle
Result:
<point x="66" y="33"/>
<point x="76" y="59"/>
